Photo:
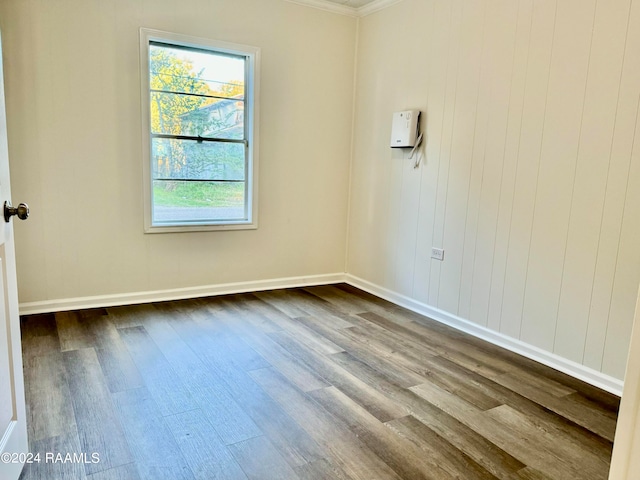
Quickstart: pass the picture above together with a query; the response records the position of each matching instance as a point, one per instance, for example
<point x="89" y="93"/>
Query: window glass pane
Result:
<point x="189" y="159"/>
<point x="200" y="167"/>
<point x="197" y="202"/>
<point x="176" y="69"/>
<point x="179" y="114"/>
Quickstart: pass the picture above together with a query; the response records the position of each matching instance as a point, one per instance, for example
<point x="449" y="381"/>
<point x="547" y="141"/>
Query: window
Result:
<point x="200" y="149"/>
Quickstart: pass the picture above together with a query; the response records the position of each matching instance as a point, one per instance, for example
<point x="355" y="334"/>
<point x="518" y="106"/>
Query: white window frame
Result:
<point x="252" y="77"/>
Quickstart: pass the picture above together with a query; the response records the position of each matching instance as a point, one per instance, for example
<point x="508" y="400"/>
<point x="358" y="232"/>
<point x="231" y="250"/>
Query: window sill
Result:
<point x="200" y="227"/>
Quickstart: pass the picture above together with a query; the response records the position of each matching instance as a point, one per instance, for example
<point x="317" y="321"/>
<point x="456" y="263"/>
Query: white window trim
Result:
<point x="251" y="119"/>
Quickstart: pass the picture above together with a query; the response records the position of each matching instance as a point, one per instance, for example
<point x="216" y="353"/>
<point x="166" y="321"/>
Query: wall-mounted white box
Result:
<point x="404" y="129"/>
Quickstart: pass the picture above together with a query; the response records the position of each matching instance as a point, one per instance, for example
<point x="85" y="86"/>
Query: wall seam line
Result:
<point x="352" y="146"/>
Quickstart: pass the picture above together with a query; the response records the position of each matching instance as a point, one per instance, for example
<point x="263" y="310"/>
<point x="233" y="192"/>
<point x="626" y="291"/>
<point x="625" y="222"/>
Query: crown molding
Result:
<point x="344" y="9"/>
<point x="375" y="6"/>
<point x="328" y="7"/>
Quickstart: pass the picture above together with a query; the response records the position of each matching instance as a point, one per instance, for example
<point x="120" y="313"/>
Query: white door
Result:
<point x="625" y="464"/>
<point x="13" y="422"/>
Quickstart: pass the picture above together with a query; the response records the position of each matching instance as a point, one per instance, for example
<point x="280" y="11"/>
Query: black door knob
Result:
<point x="22" y="211"/>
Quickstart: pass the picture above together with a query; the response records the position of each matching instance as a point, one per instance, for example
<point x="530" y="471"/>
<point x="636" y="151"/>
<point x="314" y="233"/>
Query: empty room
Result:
<point x="320" y="239"/>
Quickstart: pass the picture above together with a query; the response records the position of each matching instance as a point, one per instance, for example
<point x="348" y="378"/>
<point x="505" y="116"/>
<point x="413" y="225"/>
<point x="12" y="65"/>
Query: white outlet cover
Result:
<point x="437" y="253"/>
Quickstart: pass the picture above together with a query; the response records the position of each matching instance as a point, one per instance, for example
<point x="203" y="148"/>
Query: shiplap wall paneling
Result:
<point x="529" y="182"/>
<point x="501" y="29"/>
<point x="432" y="163"/>
<point x="530" y="140"/>
<point x="416" y="96"/>
<point x="451" y="49"/>
<point x="387" y="173"/>
<point x="592" y="168"/>
<point x="469" y="115"/>
<point x="628" y="254"/>
<point x="626" y="273"/>
<point x="511" y="161"/>
<point x="556" y="172"/>
<point x="617" y="181"/>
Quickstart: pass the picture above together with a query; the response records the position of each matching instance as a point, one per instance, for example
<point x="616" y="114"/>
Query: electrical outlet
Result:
<point x="437" y="253"/>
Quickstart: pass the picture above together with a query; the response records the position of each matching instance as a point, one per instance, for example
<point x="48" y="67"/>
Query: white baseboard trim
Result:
<point x="586" y="374"/>
<point x="99" y="301"/>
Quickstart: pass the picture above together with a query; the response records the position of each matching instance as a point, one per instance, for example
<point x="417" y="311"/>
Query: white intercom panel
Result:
<point x="404" y="129"/>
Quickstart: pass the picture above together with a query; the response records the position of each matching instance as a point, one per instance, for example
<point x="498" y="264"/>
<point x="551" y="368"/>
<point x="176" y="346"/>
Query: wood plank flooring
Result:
<point x="317" y="383"/>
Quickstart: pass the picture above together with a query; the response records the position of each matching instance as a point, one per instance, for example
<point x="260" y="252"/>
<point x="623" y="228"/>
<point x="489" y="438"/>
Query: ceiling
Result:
<point x="356" y="8"/>
<point x="352" y="3"/>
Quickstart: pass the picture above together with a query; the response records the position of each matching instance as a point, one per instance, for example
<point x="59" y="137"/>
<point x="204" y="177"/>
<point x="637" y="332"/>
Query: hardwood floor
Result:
<point x="317" y="383"/>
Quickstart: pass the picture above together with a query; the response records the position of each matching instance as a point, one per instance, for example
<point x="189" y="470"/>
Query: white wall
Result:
<point x="531" y="181"/>
<point x="73" y="104"/>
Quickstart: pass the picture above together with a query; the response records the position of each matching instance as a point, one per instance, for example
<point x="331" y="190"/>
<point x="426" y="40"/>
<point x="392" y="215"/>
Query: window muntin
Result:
<point x="200" y="122"/>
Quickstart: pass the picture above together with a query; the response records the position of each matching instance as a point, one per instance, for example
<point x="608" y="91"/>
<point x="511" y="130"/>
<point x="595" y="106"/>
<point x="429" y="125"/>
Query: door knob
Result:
<point x="22" y="211"/>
